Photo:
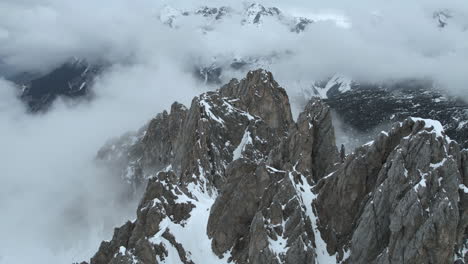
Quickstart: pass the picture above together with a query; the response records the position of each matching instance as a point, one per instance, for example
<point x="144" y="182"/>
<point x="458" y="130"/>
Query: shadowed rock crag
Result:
<point x="234" y="179"/>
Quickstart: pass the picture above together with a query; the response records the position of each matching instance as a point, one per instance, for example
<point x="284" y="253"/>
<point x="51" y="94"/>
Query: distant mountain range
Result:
<point x="362" y="106"/>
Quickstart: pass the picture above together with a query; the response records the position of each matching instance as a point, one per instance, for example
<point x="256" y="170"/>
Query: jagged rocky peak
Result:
<point x="397" y="198"/>
<point x="234" y="179"/>
<point x="205" y="137"/>
<point x="223" y="140"/>
<point x="261" y="95"/>
<point x="254" y="13"/>
<point x="313" y="134"/>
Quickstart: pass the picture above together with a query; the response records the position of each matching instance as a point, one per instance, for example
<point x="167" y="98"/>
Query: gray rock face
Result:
<point x="234" y="179"/>
<point x="400" y="199"/>
<point x="260" y="95"/>
<point x="313" y="134"/>
<point x="266" y="215"/>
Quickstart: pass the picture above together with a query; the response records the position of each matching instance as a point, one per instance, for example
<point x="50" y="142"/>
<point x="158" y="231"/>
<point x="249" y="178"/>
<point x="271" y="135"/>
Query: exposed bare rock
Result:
<point x="107" y="249"/>
<point x="160" y="137"/>
<point x="260" y="95"/>
<point x="313" y="134"/>
<point x="399" y="198"/>
<point x="267" y="216"/>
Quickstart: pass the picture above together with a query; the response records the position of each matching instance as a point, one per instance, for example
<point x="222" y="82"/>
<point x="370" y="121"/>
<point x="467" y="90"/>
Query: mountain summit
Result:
<point x="234" y="179"/>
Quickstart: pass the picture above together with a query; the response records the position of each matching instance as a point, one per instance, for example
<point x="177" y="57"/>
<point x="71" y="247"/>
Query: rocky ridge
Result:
<point x="235" y="179"/>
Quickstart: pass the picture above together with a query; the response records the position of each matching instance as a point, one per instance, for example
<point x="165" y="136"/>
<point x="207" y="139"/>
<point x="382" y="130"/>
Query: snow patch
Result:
<point x="438" y="164"/>
<point x="307" y="197"/>
<point x="435" y="125"/>
<point x="421" y="183"/>
<point x="198" y="250"/>
<point x="231" y="109"/>
<point x="278" y="246"/>
<point x="122" y="250"/>
<point x="343" y="83"/>
<point x="82" y="86"/>
<point x="273" y="169"/>
<point x="208" y="111"/>
<point x="463" y="188"/>
<point x="246" y="139"/>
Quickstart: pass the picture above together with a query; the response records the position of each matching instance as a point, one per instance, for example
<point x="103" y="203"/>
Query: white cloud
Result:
<point x="56" y="204"/>
<point x="369" y="39"/>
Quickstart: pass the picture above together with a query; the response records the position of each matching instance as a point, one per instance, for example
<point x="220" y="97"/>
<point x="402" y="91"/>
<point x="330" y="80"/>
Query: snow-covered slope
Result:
<point x="337" y="84"/>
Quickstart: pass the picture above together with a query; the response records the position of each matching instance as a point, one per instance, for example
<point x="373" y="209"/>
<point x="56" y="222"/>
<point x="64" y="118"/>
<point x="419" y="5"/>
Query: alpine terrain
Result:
<point x="233" y="178"/>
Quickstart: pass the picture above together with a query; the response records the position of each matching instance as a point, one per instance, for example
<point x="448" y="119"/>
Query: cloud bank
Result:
<point x="56" y="203"/>
<point x="369" y="40"/>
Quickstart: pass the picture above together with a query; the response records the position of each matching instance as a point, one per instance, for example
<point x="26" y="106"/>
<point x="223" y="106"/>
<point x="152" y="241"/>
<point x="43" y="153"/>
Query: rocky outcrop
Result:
<point x="234" y="179"/>
<point x="313" y="134"/>
<point x="396" y="199"/>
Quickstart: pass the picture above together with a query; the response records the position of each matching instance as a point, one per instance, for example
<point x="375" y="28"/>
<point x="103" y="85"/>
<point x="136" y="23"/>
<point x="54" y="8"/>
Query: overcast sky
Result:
<point x="47" y="163"/>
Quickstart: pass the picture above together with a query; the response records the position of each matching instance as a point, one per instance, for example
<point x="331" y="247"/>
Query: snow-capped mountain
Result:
<point x="252" y="14"/>
<point x="234" y="179"/>
<point x="73" y="78"/>
<point x="335" y="85"/>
